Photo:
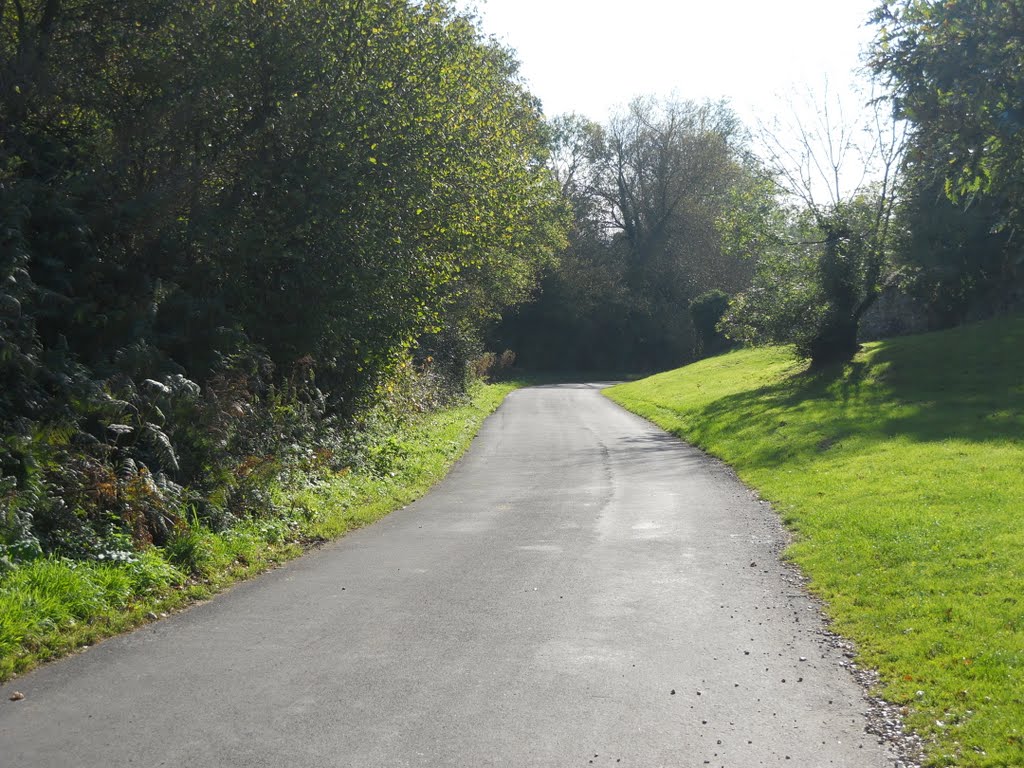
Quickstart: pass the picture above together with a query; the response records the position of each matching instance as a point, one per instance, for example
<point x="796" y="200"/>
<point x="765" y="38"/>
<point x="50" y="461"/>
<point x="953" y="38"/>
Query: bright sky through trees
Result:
<point x="588" y="56"/>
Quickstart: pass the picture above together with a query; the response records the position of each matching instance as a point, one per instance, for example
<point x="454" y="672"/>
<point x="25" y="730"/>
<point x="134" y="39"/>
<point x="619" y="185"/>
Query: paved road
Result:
<point x="538" y="608"/>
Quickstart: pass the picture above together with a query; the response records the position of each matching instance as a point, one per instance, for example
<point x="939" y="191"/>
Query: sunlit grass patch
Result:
<point x="902" y="475"/>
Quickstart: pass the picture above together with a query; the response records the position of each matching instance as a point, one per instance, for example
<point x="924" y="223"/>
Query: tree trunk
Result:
<point x="836" y="342"/>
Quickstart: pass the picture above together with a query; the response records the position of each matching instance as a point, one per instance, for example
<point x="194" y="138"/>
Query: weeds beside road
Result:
<point x="52" y="606"/>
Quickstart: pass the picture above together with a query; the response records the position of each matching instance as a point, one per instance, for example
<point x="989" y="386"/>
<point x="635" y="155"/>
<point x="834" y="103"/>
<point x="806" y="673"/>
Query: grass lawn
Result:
<point x="53" y="606"/>
<point x="902" y="478"/>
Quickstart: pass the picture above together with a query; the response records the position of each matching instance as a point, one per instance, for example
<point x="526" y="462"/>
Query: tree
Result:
<point x="662" y="174"/>
<point x="956" y="71"/>
<point x="829" y="264"/>
<point x="218" y="214"/>
<point x="654" y="194"/>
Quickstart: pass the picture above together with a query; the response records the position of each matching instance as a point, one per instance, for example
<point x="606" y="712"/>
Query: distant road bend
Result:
<point x="583" y="589"/>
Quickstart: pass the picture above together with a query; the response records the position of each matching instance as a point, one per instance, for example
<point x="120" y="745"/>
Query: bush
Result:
<point x="813" y="291"/>
<point x="490" y="366"/>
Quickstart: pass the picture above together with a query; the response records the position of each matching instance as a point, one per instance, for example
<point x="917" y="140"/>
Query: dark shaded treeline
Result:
<point x="228" y="228"/>
<point x="660" y="195"/>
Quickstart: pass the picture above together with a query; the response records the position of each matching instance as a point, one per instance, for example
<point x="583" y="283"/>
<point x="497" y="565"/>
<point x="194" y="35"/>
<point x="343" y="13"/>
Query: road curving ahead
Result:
<point x="582" y="589"/>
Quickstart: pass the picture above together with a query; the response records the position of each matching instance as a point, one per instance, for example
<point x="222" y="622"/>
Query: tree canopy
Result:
<point x="657" y="194"/>
<point x="231" y="200"/>
<point x="955" y="71"/>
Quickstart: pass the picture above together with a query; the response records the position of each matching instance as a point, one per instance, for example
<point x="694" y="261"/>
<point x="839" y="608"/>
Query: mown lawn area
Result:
<point x="901" y="475"/>
<point x="52" y="606"/>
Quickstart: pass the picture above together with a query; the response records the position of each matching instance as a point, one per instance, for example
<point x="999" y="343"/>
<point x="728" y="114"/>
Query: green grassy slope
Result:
<point x="52" y="606"/>
<point x="902" y="476"/>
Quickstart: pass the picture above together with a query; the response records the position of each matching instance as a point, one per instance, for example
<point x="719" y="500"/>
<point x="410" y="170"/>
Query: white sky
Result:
<point x="589" y="56"/>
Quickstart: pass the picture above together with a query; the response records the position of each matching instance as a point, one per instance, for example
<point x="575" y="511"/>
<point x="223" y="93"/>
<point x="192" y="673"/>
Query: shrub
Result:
<point x="490" y="366"/>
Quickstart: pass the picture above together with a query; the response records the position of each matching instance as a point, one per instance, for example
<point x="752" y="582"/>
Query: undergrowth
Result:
<point x="52" y="604"/>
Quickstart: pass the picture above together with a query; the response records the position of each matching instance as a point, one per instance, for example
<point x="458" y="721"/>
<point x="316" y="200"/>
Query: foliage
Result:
<point x="706" y="311"/>
<point x="657" y="195"/>
<point x="224" y="229"/>
<point x="955" y="73"/>
<point x="783" y="303"/>
<point x="899" y="475"/>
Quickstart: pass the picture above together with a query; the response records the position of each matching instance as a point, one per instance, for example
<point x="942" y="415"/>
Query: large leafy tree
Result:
<point x="656" y="194"/>
<point x="325" y="177"/>
<point x="956" y="72"/>
<point x="245" y="195"/>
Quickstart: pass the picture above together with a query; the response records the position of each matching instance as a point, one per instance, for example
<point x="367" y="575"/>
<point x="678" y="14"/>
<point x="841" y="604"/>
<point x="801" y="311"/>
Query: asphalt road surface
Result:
<point x="583" y="589"/>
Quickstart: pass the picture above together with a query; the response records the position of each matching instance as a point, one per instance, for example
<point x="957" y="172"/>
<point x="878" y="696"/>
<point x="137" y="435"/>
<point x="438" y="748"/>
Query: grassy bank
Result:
<point x="902" y="476"/>
<point x="50" y="607"/>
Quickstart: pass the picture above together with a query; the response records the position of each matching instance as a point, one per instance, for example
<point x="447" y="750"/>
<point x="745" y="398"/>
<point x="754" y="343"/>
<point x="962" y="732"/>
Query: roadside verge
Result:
<point x="54" y="606"/>
<point x="899" y="476"/>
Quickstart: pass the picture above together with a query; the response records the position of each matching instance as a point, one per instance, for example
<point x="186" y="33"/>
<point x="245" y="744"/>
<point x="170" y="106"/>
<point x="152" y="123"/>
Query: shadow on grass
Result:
<point x="966" y="384"/>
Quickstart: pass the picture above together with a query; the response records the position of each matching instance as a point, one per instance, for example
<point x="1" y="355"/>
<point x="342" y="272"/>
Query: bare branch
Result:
<point x="838" y="154"/>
